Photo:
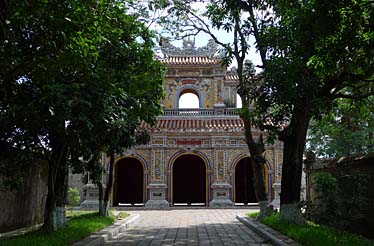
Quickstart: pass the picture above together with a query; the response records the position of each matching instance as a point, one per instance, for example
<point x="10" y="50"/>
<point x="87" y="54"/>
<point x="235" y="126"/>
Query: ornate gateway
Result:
<point x="195" y="156"/>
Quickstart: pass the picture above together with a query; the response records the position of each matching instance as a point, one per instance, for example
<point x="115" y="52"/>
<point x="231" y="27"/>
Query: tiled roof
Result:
<point x="204" y="125"/>
<point x="194" y="60"/>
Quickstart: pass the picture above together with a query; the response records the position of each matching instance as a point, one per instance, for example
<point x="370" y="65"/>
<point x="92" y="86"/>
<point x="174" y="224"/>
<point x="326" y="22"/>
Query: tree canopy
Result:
<point x="76" y="78"/>
<point x="347" y="130"/>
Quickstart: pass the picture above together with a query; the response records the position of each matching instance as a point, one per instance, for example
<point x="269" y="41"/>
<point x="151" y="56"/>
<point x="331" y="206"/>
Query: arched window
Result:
<point x="238" y="101"/>
<point x="188" y="99"/>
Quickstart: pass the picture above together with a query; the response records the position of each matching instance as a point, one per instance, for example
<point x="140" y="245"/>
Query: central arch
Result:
<point x="189" y="180"/>
<point x="129" y="182"/>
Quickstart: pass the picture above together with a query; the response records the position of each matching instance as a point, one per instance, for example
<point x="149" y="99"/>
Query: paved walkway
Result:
<point x="188" y="227"/>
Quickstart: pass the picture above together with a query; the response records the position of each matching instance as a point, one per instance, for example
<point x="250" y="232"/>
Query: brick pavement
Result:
<point x="188" y="227"/>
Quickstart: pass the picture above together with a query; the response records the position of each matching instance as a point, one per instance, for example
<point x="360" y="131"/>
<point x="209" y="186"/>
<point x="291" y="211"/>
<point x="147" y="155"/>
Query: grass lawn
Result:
<point x="80" y="225"/>
<point x="312" y="234"/>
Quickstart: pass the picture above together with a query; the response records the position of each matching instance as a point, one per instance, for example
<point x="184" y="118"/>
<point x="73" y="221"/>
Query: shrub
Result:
<point x="73" y="196"/>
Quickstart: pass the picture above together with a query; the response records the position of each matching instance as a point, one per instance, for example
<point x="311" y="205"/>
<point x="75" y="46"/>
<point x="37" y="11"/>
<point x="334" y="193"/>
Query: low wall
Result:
<point x="341" y="192"/>
<point x="25" y="206"/>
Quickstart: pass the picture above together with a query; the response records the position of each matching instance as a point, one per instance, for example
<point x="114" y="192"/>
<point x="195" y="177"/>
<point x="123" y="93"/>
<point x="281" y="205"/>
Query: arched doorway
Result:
<point x="189" y="181"/>
<point x="129" y="182"/>
<point x="244" y="187"/>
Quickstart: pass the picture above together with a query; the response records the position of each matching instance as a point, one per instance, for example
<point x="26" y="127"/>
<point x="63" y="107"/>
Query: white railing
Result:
<point x="201" y="112"/>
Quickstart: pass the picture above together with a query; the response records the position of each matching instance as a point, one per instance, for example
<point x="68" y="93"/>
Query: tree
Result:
<point x="70" y="69"/>
<point x="347" y="130"/>
<point x="315" y="52"/>
<point x="185" y="20"/>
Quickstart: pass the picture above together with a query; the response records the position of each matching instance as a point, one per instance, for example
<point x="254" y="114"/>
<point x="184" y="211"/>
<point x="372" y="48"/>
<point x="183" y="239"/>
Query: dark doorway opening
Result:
<point x="129" y="183"/>
<point x="244" y="187"/>
<point x="189" y="181"/>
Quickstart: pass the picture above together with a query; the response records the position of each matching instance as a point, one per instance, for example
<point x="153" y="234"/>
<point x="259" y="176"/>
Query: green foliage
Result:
<point x="312" y="234"/>
<point x="253" y="215"/>
<point x="347" y="130"/>
<point x="74" y="213"/>
<point x="325" y="208"/>
<point x="325" y="182"/>
<point x="79" y="227"/>
<point x="73" y="196"/>
<point x="75" y="80"/>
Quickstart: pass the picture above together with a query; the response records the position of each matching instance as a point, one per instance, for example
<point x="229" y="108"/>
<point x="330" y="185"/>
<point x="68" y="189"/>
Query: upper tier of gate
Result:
<point x="201" y="112"/>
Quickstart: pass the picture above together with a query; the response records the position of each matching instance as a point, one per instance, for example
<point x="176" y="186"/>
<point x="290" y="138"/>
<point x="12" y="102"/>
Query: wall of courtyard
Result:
<point x="25" y="207"/>
<point x="341" y="192"/>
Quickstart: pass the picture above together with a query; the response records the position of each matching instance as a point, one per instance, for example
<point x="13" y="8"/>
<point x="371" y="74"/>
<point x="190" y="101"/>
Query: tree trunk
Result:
<point x="61" y="188"/>
<point x="54" y="216"/>
<point x="50" y="206"/>
<point x="294" y="143"/>
<point x="108" y="189"/>
<point x="256" y="150"/>
<point x="101" y="198"/>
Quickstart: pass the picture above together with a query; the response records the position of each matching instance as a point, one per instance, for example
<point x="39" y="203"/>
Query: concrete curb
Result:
<point x="266" y="232"/>
<point x="21" y="231"/>
<point x="100" y="237"/>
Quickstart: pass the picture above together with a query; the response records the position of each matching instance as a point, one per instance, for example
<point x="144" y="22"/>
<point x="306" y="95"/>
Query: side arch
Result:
<point x="144" y="164"/>
<point x="267" y="173"/>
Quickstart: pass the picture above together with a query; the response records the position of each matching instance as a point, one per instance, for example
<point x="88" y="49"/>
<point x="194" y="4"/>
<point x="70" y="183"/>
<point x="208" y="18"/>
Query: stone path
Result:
<point x="188" y="227"/>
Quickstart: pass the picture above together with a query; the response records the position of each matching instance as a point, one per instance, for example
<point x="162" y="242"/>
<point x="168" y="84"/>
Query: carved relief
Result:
<point x="157" y="166"/>
<point x="206" y="89"/>
<point x="188" y="48"/>
<point x="219" y="91"/>
<point x="221" y="165"/>
<point x="171" y="90"/>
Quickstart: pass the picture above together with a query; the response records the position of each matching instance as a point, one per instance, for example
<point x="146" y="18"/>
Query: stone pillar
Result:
<point x="91" y="196"/>
<point x="277" y="190"/>
<point x="157" y="193"/>
<point x="221" y="195"/>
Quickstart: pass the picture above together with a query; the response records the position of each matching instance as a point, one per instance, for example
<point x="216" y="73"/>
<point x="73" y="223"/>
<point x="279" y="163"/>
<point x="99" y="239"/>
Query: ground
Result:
<point x="188" y="227"/>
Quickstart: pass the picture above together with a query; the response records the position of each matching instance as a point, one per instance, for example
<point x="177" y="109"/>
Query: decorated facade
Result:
<point x="196" y="156"/>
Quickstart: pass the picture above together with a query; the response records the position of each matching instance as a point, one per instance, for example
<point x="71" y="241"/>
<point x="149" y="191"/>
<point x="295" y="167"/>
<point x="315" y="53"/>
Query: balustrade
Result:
<point x="201" y="112"/>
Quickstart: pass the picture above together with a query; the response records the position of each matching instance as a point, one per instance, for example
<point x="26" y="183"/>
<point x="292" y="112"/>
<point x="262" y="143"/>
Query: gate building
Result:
<point x="196" y="156"/>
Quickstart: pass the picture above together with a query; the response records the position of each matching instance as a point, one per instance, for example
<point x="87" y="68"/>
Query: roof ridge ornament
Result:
<point x="188" y="49"/>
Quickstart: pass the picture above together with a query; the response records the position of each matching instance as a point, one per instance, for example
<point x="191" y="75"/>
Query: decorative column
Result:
<point x="157" y="187"/>
<point x="277" y="180"/>
<point x="221" y="189"/>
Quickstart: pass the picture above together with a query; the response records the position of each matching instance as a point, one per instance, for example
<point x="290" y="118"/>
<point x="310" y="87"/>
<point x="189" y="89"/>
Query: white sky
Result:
<point x="190" y="100"/>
